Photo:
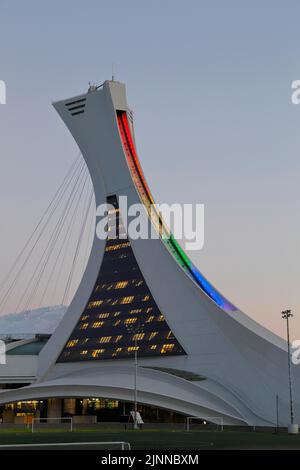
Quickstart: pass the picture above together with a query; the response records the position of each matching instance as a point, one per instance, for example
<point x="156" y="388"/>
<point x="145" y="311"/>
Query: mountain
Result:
<point x="40" y="320"/>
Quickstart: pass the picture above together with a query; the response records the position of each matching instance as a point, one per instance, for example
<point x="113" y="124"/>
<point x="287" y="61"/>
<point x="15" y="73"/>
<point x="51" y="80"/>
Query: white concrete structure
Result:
<point x="228" y="364"/>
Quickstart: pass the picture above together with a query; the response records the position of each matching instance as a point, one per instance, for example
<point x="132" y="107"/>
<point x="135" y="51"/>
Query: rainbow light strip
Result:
<point x="167" y="237"/>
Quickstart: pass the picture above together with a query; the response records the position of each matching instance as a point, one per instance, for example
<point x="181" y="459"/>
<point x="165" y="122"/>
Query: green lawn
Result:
<point x="159" y="439"/>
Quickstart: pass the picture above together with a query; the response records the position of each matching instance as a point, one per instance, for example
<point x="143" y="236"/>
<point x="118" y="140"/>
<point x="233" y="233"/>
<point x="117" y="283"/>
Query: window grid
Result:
<point x="120" y="312"/>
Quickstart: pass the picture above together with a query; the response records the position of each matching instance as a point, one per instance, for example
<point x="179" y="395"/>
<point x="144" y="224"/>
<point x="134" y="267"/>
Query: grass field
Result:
<point x="158" y="439"/>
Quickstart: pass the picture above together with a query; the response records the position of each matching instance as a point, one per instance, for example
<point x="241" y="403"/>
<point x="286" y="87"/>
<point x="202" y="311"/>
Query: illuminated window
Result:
<point x="116" y="352"/>
<point x="121" y="285"/>
<point x="98" y="324"/>
<point x="95" y="303"/>
<point x="150" y="319"/>
<point x="145" y="298"/>
<point x="97" y="352"/>
<point x="160" y="318"/>
<point x="132" y="348"/>
<point x="138" y="336"/>
<point x="154" y="346"/>
<point x="84" y="326"/>
<point x="84" y="352"/>
<point x="136" y="310"/>
<point x="117" y="247"/>
<point x="166" y="348"/>
<point x="116" y="314"/>
<point x="105" y="339"/>
<point x="72" y="343"/>
<point x="118" y="338"/>
<point x="103" y="315"/>
<point x="170" y="335"/>
<point x="117" y="322"/>
<point x="153" y="334"/>
<point x="127" y="300"/>
<point x="128" y="321"/>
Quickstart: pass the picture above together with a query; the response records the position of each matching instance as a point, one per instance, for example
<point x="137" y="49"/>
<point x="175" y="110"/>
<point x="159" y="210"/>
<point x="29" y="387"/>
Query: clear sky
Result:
<point x="210" y="85"/>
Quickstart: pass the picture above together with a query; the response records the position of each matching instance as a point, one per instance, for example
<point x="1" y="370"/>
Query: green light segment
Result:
<point x="180" y="251"/>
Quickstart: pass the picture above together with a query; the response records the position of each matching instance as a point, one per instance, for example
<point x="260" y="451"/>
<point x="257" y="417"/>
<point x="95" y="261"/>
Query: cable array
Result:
<point x="49" y="267"/>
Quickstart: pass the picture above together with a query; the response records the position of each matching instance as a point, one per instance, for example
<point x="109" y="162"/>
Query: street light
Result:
<point x="135" y="329"/>
<point x="292" y="428"/>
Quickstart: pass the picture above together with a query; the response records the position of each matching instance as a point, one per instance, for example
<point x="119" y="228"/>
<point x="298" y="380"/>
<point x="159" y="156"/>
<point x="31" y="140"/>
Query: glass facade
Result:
<point x="83" y="411"/>
<point x="121" y="316"/>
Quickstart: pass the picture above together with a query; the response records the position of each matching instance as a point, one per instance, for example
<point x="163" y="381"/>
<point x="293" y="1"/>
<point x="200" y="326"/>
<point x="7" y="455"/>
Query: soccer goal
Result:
<point x="204" y="423"/>
<point x="43" y="423"/>
<point x="115" y="445"/>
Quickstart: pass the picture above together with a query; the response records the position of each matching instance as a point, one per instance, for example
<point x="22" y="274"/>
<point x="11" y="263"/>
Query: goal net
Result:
<point x="115" y="445"/>
<point x="204" y="423"/>
<point x="60" y="424"/>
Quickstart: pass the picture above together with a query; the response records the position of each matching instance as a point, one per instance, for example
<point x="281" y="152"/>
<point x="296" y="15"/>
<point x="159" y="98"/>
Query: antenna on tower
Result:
<point x="112" y="73"/>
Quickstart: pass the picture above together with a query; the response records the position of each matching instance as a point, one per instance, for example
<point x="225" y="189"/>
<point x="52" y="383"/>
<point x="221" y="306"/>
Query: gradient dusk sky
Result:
<point x="210" y="85"/>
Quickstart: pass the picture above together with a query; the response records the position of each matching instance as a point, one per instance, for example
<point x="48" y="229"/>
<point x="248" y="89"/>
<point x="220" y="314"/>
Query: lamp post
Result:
<point x="292" y="428"/>
<point x="135" y="426"/>
<point x="136" y="329"/>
